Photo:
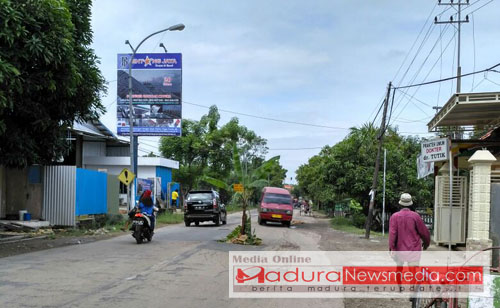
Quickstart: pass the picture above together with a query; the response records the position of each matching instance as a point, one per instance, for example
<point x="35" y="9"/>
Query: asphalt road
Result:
<point x="181" y="267"/>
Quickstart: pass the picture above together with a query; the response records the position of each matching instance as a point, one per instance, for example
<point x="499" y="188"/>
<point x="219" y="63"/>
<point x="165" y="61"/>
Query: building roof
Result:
<point x="469" y="109"/>
<point x="95" y="129"/>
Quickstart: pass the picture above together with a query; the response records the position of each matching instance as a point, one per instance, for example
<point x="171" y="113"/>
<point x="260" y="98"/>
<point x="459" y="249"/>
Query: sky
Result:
<point x="324" y="65"/>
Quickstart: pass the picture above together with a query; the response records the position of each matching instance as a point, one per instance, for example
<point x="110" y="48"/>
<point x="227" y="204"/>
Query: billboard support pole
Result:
<point x="133" y="153"/>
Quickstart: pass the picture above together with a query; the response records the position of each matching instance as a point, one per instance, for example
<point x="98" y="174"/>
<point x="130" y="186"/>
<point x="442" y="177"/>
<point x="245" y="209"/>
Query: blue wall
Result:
<point x="166" y="177"/>
<point x="91" y="192"/>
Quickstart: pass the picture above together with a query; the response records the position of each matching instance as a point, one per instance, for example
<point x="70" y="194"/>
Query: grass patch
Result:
<point x="346" y="225"/>
<point x="231" y="208"/>
<point x="236" y="207"/>
<point x="169" y="218"/>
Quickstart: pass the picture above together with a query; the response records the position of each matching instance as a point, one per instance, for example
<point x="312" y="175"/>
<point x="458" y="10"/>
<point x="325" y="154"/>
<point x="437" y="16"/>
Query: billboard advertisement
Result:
<point x="156" y="94"/>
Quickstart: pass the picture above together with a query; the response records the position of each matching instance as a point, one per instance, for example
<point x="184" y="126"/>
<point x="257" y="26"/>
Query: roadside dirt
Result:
<point x="53" y="241"/>
<point x="37" y="244"/>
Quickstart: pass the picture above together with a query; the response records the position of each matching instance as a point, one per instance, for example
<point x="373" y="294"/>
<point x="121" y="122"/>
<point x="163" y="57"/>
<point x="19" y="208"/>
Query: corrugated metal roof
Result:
<point x="468" y="109"/>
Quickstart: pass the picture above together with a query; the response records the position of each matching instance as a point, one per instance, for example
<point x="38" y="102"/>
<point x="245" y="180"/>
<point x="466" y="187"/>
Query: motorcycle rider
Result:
<point x="146" y="206"/>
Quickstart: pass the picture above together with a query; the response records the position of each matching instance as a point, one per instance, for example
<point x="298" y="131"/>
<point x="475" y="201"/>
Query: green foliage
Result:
<point x="346" y="224"/>
<point x="346" y="169"/>
<point x="358" y="219"/>
<point x="355" y="206"/>
<point x="234" y="234"/>
<point x="169" y="218"/>
<point x="48" y="77"/>
<point x="341" y="221"/>
<point x="210" y="156"/>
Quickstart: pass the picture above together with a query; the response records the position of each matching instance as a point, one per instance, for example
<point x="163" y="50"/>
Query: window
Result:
<point x="277" y="198"/>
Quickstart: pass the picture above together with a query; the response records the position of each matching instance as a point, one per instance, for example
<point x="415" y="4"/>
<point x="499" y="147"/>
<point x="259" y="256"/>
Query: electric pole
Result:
<point x="377" y="165"/>
<point x="459" y="22"/>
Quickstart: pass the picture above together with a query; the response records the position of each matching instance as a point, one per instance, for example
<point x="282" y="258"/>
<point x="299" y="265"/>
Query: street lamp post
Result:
<point x="133" y="153"/>
<point x="164" y="48"/>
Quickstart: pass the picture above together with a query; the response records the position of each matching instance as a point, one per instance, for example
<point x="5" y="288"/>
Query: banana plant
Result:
<point x="248" y="179"/>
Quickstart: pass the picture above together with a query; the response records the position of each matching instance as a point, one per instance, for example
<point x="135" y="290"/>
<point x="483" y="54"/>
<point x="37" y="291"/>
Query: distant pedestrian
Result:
<point x="175" y="196"/>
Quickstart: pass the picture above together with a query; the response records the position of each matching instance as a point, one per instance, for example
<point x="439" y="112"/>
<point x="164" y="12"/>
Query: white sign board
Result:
<point x="435" y="150"/>
<point x="424" y="169"/>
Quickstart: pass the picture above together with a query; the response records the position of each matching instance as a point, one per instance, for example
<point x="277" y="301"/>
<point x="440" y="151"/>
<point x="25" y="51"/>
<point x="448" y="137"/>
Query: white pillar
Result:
<point x="479" y="208"/>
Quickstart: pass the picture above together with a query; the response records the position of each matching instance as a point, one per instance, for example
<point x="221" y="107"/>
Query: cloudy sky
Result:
<point x="324" y="63"/>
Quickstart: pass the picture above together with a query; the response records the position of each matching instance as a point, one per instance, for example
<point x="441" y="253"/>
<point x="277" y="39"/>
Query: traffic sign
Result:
<point x="238" y="187"/>
<point x="435" y="150"/>
<point x="126" y="176"/>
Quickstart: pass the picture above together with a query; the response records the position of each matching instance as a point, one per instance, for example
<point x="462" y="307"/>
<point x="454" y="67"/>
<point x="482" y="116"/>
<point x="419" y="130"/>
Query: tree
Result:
<point x="345" y="170"/>
<point x="206" y="149"/>
<point x="249" y="179"/>
<point x="48" y="77"/>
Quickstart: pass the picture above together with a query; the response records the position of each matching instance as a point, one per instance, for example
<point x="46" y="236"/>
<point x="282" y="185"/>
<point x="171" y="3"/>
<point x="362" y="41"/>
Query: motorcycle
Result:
<point x="141" y="227"/>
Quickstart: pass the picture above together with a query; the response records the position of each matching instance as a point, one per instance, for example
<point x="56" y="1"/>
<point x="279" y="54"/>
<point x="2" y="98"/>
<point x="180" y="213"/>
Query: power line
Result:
<point x="371" y="114"/>
<point x="418" y="71"/>
<point x="480" y="6"/>
<point x="493" y="82"/>
<point x="378" y="112"/>
<point x="449" y="78"/>
<point x="269" y="119"/>
<point x="414" y="42"/>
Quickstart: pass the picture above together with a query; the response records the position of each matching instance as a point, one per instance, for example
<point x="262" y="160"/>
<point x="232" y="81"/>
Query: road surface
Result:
<point x="181" y="267"/>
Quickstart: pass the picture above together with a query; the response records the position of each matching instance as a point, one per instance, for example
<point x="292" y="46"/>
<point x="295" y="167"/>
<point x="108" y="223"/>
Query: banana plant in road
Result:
<point x="250" y="179"/>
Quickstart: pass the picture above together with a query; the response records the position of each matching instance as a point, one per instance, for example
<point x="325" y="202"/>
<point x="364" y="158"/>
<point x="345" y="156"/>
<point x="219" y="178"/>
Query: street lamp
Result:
<point x="164" y="48"/>
<point x="133" y="154"/>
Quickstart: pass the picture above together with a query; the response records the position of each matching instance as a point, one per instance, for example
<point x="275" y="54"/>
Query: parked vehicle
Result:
<point x="141" y="227"/>
<point x="204" y="205"/>
<point x="275" y="205"/>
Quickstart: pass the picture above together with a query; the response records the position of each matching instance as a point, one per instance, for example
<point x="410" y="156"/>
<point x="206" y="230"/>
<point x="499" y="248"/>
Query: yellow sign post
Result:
<point x="238" y="187"/>
<point x="126" y="176"/>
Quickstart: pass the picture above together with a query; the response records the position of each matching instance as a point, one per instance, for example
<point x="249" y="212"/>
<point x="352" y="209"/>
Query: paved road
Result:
<point x="181" y="267"/>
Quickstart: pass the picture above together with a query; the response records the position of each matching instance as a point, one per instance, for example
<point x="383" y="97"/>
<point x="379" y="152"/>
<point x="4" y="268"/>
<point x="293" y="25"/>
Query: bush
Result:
<point x="358" y="220"/>
<point x="341" y="221"/>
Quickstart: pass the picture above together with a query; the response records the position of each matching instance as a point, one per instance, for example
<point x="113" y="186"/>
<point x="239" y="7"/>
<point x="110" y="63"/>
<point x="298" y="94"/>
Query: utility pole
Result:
<point x="377" y="165"/>
<point x="459" y="22"/>
<point x="383" y="196"/>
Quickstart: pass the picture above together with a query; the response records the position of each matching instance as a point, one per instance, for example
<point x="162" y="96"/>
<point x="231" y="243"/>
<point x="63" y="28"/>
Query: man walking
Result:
<point x="407" y="235"/>
<point x="407" y="230"/>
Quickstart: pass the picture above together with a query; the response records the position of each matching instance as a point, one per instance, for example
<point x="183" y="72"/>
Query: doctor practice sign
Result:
<point x="435" y="150"/>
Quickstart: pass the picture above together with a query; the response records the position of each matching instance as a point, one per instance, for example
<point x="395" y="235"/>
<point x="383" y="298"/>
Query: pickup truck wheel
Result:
<point x="188" y="223"/>
<point x="197" y="223"/>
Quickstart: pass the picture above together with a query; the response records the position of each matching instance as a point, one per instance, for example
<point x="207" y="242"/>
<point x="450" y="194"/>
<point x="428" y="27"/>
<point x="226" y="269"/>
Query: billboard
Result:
<point x="156" y="94"/>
